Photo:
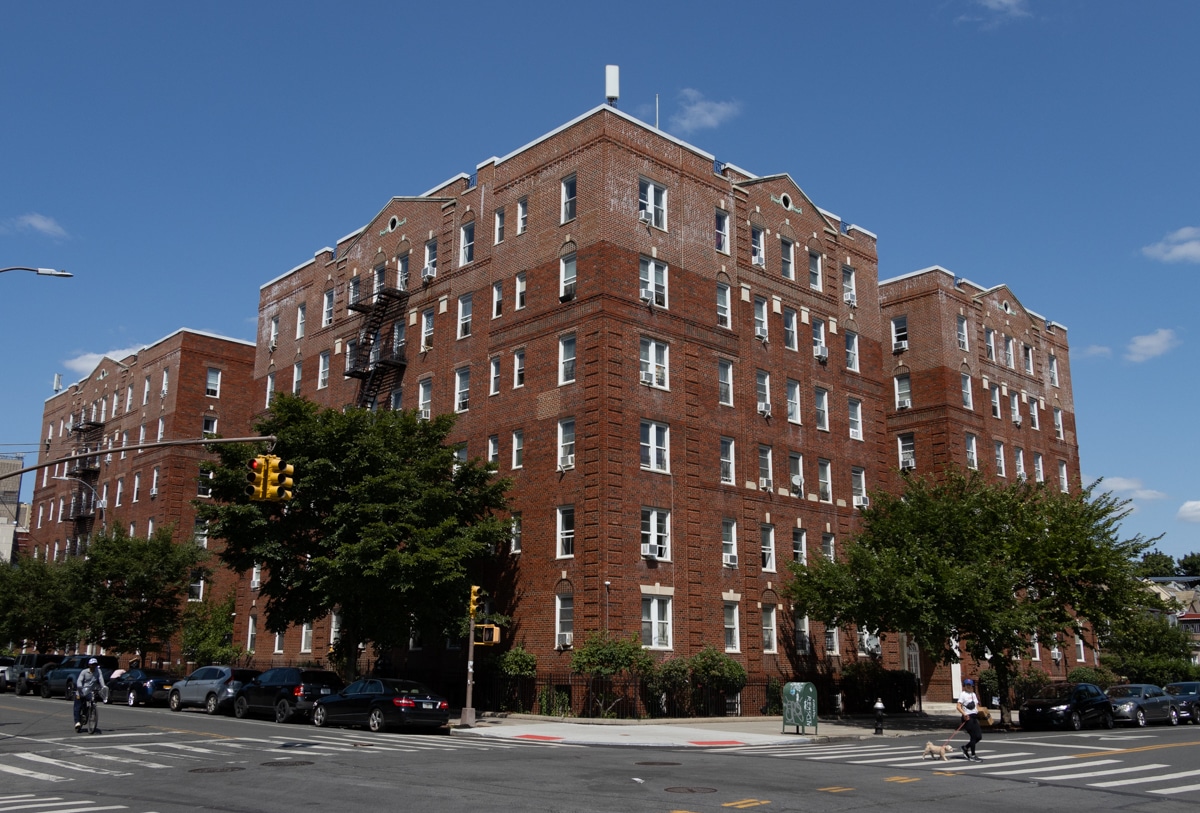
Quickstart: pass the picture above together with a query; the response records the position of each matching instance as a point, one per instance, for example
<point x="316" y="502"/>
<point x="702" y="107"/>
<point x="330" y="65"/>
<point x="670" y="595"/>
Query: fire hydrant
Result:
<point x="879" y="715"/>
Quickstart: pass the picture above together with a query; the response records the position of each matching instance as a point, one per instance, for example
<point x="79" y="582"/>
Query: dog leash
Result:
<point x="960" y="725"/>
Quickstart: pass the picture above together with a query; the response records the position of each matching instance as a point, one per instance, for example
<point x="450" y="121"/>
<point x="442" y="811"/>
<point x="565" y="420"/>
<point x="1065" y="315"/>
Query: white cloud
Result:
<point x="1189" y="511"/>
<point x="84" y="363"/>
<point x="1144" y="348"/>
<point x="33" y="222"/>
<point x="1096" y="351"/>
<point x="1131" y="487"/>
<point x="995" y="12"/>
<point x="698" y="113"/>
<point x="1180" y="246"/>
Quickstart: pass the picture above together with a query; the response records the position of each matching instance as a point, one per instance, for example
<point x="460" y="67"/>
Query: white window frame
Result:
<point x="1060" y="431"/>
<point x="758" y="246"/>
<point x="821" y="403"/>
<point x="854" y="415"/>
<point x="518" y="369"/>
<point x="652" y="198"/>
<point x="1027" y="358"/>
<point x="829" y="546"/>
<point x="766" y="465"/>
<point x="518" y="449"/>
<point x="306" y="637"/>
<point x="824" y="481"/>
<point x="425" y="396"/>
<point x="724" y="382"/>
<point x="652" y="278"/>
<point x="1019" y="462"/>
<point x="1063" y="483"/>
<point x="815" y="261"/>
<point x="729" y="546"/>
<point x="972" y="447"/>
<point x="791" y="321"/>
<point x="793" y="402"/>
<point x="998" y="457"/>
<point x="212" y="384"/>
<point x="766" y="546"/>
<point x="899" y="329"/>
<point x="989" y="342"/>
<point x="465" y="309"/>
<point x="568" y="188"/>
<point x="728" y="461"/>
<point x="800" y="546"/>
<point x="431" y="255"/>
<point x="323" y="370"/>
<point x="522" y="215"/>
<point x="1010" y="360"/>
<point x="426" y="329"/>
<point x="903" y="387"/>
<point x="462" y="389"/>
<point x="787" y="258"/>
<point x="519" y="292"/>
<point x="466" y="243"/>
<point x="656" y="621"/>
<point x="769" y="631"/>
<point x="964" y="343"/>
<point x="497" y="300"/>
<point x="762" y="389"/>
<point x="762" y="329"/>
<point x="565" y="532"/>
<point x="722" y="231"/>
<point x="566" y="359"/>
<point x="851" y="351"/>
<point x="493" y="449"/>
<point x="968" y="396"/>
<point x="568" y="278"/>
<point x="498" y="227"/>
<point x="494" y="376"/>
<point x="654" y="362"/>
<point x="994" y="390"/>
<point x="732" y="634"/>
<point x="724" y="318"/>
<point x="1039" y="471"/>
<point x="566" y="443"/>
<point x="514" y="532"/>
<point x="297" y="373"/>
<point x="564" y="619"/>
<point x="906" y="446"/>
<point x="327" y="308"/>
<point x="301" y="316"/>
<point x="656" y="531"/>
<point x="1053" y="368"/>
<point x="655" y="445"/>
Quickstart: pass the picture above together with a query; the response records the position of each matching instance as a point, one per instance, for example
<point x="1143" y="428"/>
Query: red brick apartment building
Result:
<point x="691" y="373"/>
<point x="186" y="385"/>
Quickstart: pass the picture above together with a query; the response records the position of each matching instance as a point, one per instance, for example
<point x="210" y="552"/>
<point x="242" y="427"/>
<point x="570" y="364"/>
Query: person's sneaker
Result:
<point x="78" y="727"/>
<point x="974" y="758"/>
<point x="966" y="753"/>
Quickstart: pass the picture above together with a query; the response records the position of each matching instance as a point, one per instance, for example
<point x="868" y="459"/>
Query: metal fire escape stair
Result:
<point x="371" y="364"/>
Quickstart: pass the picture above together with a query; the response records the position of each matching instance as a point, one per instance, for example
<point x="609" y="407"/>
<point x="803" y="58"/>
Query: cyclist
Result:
<point x="89" y="683"/>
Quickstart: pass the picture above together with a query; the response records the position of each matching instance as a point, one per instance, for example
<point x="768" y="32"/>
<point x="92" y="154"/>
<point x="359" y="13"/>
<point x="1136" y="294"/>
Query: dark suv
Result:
<point x="285" y="692"/>
<point x="30" y="668"/>
<point x="61" y="679"/>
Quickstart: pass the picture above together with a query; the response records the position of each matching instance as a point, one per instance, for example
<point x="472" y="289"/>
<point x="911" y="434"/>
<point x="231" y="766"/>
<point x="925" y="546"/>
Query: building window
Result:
<point x="968" y="400"/>
<point x="279" y="643"/>
<point x="518" y="369"/>
<point x="852" y="351"/>
<point x="1027" y="358"/>
<point x="729" y="556"/>
<point x="431" y="251"/>
<point x="212" y="385"/>
<point x="849" y="286"/>
<point x="1053" y="362"/>
<point x="758" y="248"/>
<point x="814" y="270"/>
<point x="825" y="481"/>
<point x="821" y="399"/>
<point x="790" y="339"/>
<point x="760" y="318"/>
<point x="652" y="278"/>
<point x="566" y="359"/>
<point x="514" y="538"/>
<point x="296" y="371"/>
<point x="768" y="632"/>
<point x="566" y="531"/>
<point x="568" y="198"/>
<point x="327" y="309"/>
<point x="522" y="215"/>
<point x="656" y="622"/>
<point x="498" y="227"/>
<point x="652" y="204"/>
<point x="146" y="392"/>
<point x="162" y="429"/>
<point x="425" y="398"/>
<point x="166" y="376"/>
<point x="656" y="533"/>
<point x="766" y="540"/>
<point x="903" y="391"/>
<point x="270" y="388"/>
<point x="908" y="451"/>
<point x="1062" y="476"/>
<point x="323" y="370"/>
<point x="1059" y="431"/>
<point x="567" y="278"/>
<point x="1014" y="407"/>
<point x="564" y="620"/>
<point x="999" y="448"/>
<point x="831" y="640"/>
<point x="994" y="390"/>
<point x="787" y="258"/>
<point x="762" y="387"/>
<point x="494" y="376"/>
<point x="519" y="302"/>
<point x="426" y="330"/>
<point x="1019" y="462"/>
<point x="196" y="588"/>
<point x="722" y="305"/>
<point x="1039" y="472"/>
<point x="803" y="644"/>
<point x="306" y="637"/>
<point x="828" y="547"/>
<point x="464" y="316"/>
<point x="854" y="411"/>
<point x="725" y="382"/>
<point x="989" y="342"/>
<point x="402" y="272"/>
<point x="352" y="291"/>
<point x="656" y="446"/>
<point x="972" y="452"/>
<point x="251" y="633"/>
<point x="900" y="333"/>
<point x="654" y="357"/>
<point x="518" y="449"/>
<point x="566" y="444"/>
<point x="462" y="389"/>
<point x="796" y="473"/>
<point x="963" y="344"/>
<point x="493" y="449"/>
<point x="858" y="486"/>
<point x="765" y="479"/>
<point x="793" y="401"/>
<point x="1035" y="420"/>
<point x="1008" y="352"/>
<point x="727" y="458"/>
<point x="722" y="232"/>
<point x="731" y="626"/>
<point x="208" y="426"/>
<point x="800" y="546"/>
<point x="497" y="300"/>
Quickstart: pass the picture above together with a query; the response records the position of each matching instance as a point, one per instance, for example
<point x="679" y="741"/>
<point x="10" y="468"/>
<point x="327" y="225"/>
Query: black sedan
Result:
<point x="141" y="686"/>
<point x="1187" y="699"/>
<point x="383" y="703"/>
<point x="1067" y="705"/>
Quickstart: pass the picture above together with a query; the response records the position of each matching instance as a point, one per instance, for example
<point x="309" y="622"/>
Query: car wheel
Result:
<point x="1173" y="717"/>
<point x="44" y="690"/>
<point x="375" y="722"/>
<point x="283" y="711"/>
<point x="1108" y="721"/>
<point x="1139" y="718"/>
<point x="1076" y="721"/>
<point x="175" y="702"/>
<point x="241" y="708"/>
<point x="131" y="698"/>
<point x="319" y="719"/>
<point x="210" y="704"/>
<point x="22" y="688"/>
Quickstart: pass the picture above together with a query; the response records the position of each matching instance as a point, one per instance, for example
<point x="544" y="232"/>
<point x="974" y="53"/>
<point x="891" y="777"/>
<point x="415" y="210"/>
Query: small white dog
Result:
<point x="937" y="751"/>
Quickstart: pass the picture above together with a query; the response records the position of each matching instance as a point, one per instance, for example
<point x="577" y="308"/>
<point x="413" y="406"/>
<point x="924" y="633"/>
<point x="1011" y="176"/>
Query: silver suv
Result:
<point x="212" y="687"/>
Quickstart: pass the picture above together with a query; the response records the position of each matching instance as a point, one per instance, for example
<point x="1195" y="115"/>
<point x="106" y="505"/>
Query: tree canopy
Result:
<point x="385" y="525"/>
<point x="39" y="602"/>
<point x="967" y="565"/>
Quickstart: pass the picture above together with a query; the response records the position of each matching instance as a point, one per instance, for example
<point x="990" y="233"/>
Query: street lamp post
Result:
<point x="41" y="272"/>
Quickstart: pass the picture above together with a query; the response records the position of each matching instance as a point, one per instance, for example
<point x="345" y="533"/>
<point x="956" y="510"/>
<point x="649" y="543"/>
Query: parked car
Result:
<point x="141" y="686"/>
<point x="383" y="703"/>
<point x="7" y="681"/>
<point x="285" y="692"/>
<point x="30" y="668"/>
<point x="1141" y="703"/>
<point x="61" y="679"/>
<point x="212" y="687"/>
<point x="1067" y="705"/>
<point x="1187" y="699"/>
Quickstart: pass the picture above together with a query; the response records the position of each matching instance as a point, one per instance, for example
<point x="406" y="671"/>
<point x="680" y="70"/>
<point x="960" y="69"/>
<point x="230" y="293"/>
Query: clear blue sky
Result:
<point x="176" y="156"/>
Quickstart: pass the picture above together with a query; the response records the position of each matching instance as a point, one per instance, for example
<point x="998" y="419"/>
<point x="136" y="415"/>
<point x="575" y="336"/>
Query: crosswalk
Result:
<point x="1096" y="768"/>
<point x="64" y="759"/>
<point x="33" y="803"/>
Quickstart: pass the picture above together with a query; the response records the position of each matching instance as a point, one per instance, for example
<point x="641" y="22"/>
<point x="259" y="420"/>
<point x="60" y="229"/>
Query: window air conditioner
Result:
<point x="424" y="414"/>
<point x="651" y="551"/>
<point x="647" y="296"/>
<point x="821" y="353"/>
<point x="646" y="216"/>
<point x="108" y="458"/>
<point x="565" y="639"/>
<point x="428" y="273"/>
<point x="851" y="299"/>
<point x="764" y="483"/>
<point x="164" y="392"/>
<point x="900" y="346"/>
<point x="729" y="559"/>
<point x="759" y="260"/>
<point x="1017" y="422"/>
<point x="907" y="463"/>
<point x="764" y="408"/>
<point x="962" y="345"/>
<point x="153" y="493"/>
<point x="102" y="504"/>
<point x="761" y="333"/>
<point x="565" y="462"/>
<point x="904" y="403"/>
<point x="647" y="377"/>
<point x="862" y="502"/>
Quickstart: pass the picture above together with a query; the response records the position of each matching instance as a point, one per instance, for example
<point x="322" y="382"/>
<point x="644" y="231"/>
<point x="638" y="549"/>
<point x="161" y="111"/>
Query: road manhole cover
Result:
<point x="658" y="763"/>
<point x="289" y="763"/>
<point x="226" y="769"/>
<point x="691" y="790"/>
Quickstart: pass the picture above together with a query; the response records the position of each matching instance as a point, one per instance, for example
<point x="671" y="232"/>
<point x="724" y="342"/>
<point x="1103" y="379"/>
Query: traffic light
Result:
<point x="473" y="606"/>
<point x="256" y="478"/>
<point x="487" y="635"/>
<point x="278" y="487"/>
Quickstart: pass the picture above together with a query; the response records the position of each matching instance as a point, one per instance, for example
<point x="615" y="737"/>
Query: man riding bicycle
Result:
<point x="87" y="685"/>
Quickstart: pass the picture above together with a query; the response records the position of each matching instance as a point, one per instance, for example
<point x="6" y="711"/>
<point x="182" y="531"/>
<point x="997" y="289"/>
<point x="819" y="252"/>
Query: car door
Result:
<point x="340" y="708"/>
<point x="193" y="689"/>
<point x="1159" y="702"/>
<point x="256" y="690"/>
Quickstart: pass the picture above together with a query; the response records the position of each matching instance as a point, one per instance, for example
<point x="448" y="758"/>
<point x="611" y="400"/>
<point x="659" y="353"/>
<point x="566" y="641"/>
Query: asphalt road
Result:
<point x="156" y="761"/>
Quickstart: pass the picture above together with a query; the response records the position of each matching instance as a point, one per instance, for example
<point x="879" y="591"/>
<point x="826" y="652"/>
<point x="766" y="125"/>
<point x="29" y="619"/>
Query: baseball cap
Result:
<point x="93" y="662"/>
<point x="968" y="682"/>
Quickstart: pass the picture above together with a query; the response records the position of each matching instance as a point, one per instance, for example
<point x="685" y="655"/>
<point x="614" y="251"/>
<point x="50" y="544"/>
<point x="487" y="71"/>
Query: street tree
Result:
<point x="207" y="633"/>
<point x="970" y="566"/>
<point x="385" y="525"/>
<point x="1156" y="563"/>
<point x="39" y="602"/>
<point x="135" y="588"/>
<point x="1190" y="565"/>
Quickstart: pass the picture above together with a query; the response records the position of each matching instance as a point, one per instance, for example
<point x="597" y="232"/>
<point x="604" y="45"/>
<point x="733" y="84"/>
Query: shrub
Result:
<point x="712" y="669"/>
<point x="517" y="662"/>
<point x="1027" y="682"/>
<point x="1086" y="674"/>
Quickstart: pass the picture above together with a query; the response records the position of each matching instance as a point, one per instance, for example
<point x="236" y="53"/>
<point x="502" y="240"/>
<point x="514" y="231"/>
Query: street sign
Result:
<point x="799" y="706"/>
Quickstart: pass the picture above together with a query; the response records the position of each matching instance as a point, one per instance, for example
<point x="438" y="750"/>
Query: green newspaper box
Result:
<point x="799" y="706"/>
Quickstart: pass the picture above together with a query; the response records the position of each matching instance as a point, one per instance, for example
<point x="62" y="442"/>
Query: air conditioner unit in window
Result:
<point x="962" y="345"/>
<point x="565" y="640"/>
<point x="900" y="346"/>
<point x="271" y="347"/>
<point x="163" y="393"/>
<point x="907" y="464"/>
<point x="851" y="299"/>
<point x="153" y="493"/>
<point x="1017" y="422"/>
<point x="424" y="414"/>
<point x="761" y="334"/>
<point x="764" y="408"/>
<point x="102" y="504"/>
<point x="651" y="551"/>
<point x="904" y="403"/>
<point x="729" y="559"/>
<point x="648" y="377"/>
<point x="647" y="296"/>
<point x="760" y="261"/>
<point x="428" y="273"/>
<point x="108" y="458"/>
<point x="821" y="353"/>
<point x="646" y="216"/>
<point x="565" y="462"/>
<point x="862" y="502"/>
<point x="765" y="483"/>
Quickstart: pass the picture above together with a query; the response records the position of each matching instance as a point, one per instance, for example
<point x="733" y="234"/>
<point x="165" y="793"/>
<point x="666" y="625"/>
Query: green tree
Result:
<point x="384" y="527"/>
<point x="40" y="602"/>
<point x="136" y="587"/>
<point x="970" y="566"/>
<point x="1156" y="563"/>
<point x="1190" y="565"/>
<point x="1146" y="648"/>
<point x="208" y="631"/>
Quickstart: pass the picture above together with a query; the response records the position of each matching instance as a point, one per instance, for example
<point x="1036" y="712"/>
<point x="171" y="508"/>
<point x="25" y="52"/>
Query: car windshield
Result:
<point x="1124" y="691"/>
<point x="1058" y="692"/>
<point x="1181" y="688"/>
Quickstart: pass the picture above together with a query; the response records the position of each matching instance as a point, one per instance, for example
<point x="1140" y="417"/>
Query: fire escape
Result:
<point x="375" y="367"/>
<point x="84" y="473"/>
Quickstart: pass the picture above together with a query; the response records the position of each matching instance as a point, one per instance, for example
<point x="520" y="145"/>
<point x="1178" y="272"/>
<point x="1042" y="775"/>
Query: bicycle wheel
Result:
<point x="93" y="717"/>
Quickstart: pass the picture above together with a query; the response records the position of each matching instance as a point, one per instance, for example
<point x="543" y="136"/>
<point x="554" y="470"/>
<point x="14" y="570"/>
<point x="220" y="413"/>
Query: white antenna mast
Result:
<point x="612" y="83"/>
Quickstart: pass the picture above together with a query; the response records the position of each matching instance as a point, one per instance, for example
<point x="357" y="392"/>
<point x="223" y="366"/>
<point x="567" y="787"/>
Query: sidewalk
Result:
<point x="937" y="721"/>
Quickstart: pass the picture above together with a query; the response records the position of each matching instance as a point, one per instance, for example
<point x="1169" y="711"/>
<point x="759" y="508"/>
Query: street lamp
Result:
<point x="41" y="272"/>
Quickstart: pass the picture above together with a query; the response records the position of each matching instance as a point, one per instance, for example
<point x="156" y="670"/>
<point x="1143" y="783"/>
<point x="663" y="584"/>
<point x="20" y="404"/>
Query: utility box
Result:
<point x="799" y="706"/>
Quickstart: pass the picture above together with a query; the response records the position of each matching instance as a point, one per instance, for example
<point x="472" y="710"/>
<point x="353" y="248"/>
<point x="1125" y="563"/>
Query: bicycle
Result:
<point x="89" y="714"/>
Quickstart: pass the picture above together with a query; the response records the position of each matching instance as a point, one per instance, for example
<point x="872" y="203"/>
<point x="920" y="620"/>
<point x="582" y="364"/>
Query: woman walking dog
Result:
<point x="968" y="707"/>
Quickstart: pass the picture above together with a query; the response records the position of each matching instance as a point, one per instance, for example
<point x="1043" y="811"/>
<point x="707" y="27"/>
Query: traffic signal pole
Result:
<point x="468" y="712"/>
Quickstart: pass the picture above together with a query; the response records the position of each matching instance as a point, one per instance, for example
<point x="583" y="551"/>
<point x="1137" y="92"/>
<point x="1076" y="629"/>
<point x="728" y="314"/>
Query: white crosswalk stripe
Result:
<point x="1154" y="766"/>
<point x="31" y="803"/>
<point x="1141" y="780"/>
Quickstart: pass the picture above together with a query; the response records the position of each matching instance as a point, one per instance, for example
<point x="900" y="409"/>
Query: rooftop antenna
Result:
<point x="612" y="83"/>
<point x="58" y="382"/>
